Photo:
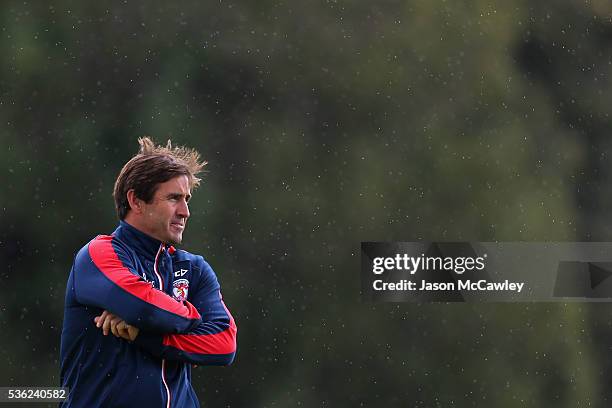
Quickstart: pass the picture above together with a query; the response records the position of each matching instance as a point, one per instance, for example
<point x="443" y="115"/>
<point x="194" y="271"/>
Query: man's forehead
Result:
<point x="176" y="185"/>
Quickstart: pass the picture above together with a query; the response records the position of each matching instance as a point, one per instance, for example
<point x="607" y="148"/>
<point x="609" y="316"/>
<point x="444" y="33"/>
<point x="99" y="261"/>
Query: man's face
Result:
<point x="165" y="217"/>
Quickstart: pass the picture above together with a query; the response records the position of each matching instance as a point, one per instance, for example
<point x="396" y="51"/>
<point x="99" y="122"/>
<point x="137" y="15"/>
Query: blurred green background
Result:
<point x="326" y="123"/>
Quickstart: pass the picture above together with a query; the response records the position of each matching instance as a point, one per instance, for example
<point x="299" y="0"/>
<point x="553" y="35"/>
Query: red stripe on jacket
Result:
<point x="107" y="261"/>
<point x="218" y="343"/>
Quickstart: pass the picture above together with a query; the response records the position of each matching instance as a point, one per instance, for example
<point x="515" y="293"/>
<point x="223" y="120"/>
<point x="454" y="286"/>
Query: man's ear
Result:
<point x="135" y="202"/>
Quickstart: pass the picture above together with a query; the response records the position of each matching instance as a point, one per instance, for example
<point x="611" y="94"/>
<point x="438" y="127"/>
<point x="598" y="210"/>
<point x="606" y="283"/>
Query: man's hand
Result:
<point x="116" y="325"/>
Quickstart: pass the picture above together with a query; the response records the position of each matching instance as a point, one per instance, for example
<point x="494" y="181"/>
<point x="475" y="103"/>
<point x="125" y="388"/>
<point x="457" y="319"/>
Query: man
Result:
<point x="139" y="312"/>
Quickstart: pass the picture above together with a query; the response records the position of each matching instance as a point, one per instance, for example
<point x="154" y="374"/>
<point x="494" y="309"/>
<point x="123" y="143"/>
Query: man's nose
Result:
<point x="183" y="209"/>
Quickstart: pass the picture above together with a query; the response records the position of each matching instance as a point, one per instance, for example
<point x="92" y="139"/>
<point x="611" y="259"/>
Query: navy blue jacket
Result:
<point x="172" y="296"/>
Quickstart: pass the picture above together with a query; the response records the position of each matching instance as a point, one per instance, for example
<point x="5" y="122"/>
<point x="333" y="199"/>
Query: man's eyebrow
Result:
<point x="179" y="195"/>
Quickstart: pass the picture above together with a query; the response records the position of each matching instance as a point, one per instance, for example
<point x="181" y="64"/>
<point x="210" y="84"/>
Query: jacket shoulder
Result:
<point x="100" y="245"/>
<point x="196" y="260"/>
<point x="96" y="241"/>
<point x="182" y="255"/>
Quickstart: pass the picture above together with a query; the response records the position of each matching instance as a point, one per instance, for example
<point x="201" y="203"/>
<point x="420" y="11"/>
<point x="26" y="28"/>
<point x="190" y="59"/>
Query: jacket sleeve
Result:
<point x="212" y="342"/>
<point x="106" y="277"/>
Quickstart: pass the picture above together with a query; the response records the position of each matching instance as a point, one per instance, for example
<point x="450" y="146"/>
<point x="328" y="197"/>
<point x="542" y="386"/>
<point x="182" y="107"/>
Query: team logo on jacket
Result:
<point x="180" y="287"/>
<point x="180" y="272"/>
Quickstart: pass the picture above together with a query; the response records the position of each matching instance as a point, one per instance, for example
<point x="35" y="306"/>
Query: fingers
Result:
<point x="120" y="327"/>
<point x="114" y="324"/>
<point x="122" y="330"/>
<point x="106" y="324"/>
<point x="103" y="321"/>
<point x="132" y="332"/>
<point x="100" y="319"/>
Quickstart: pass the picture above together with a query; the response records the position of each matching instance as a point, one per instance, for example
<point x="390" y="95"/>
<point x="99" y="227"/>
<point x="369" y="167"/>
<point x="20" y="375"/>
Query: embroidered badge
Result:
<point x="180" y="287"/>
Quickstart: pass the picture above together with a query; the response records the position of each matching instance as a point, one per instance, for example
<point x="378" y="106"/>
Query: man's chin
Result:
<point x="175" y="239"/>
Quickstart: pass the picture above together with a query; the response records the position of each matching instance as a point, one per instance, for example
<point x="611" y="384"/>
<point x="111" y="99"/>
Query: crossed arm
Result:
<point x="200" y="331"/>
<point x="205" y="345"/>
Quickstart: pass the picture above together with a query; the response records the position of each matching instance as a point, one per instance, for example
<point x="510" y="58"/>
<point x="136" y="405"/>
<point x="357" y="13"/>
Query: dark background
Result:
<point x="325" y="124"/>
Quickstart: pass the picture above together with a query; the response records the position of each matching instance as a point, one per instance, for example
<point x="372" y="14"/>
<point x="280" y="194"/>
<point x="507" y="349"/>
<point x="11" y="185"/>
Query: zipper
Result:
<point x="163" y="374"/>
<point x="161" y="287"/>
<point x="161" y="282"/>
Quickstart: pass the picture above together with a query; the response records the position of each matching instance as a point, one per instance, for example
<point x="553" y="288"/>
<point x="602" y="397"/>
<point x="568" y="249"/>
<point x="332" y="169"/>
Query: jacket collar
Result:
<point x="138" y="240"/>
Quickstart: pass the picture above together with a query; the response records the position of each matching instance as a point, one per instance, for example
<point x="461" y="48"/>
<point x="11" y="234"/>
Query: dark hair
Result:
<point x="151" y="166"/>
